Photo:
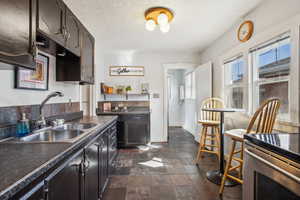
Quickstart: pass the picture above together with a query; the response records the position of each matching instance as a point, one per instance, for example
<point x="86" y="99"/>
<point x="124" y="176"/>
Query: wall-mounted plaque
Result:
<point x="126" y="71"/>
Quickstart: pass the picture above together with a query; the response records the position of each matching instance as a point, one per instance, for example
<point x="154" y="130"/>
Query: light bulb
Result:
<point x="162" y="19"/>
<point x="165" y="28"/>
<point x="150" y="25"/>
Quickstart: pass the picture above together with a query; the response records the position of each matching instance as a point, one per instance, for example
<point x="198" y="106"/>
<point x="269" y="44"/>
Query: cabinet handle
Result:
<point x="34" y="51"/>
<point x="46" y="191"/>
<point x="68" y="35"/>
<point x="86" y="165"/>
<point x="97" y="144"/>
<point x="59" y="31"/>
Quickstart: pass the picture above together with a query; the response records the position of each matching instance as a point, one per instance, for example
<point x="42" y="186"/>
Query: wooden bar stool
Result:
<point x="262" y="121"/>
<point x="209" y="120"/>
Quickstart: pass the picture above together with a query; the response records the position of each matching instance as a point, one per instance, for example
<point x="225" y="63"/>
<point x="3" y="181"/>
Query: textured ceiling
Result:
<point x="118" y="25"/>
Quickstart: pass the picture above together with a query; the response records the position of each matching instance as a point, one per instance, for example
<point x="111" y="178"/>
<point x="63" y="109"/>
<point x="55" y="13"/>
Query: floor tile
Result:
<point x="178" y="179"/>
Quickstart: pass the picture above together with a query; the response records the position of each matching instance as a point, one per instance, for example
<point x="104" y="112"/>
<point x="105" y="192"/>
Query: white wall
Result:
<point x="176" y="106"/>
<point x="271" y="18"/>
<point x="12" y="97"/>
<point x="267" y="16"/>
<point x="154" y="75"/>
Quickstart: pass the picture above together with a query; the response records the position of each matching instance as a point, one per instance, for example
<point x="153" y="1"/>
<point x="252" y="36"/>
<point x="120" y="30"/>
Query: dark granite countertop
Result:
<point x="21" y="163"/>
<point x="130" y="110"/>
<point x="285" y="144"/>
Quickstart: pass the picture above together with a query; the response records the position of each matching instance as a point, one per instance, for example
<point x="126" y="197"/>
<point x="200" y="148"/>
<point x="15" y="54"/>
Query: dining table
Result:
<point x="215" y="176"/>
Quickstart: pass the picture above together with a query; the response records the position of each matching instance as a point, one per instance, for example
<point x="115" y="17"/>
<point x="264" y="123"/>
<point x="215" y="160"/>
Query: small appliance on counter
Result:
<point x="272" y="167"/>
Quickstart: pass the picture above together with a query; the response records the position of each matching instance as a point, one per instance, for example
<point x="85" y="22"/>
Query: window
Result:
<point x="234" y="82"/>
<point x="190" y="86"/>
<point x="271" y="72"/>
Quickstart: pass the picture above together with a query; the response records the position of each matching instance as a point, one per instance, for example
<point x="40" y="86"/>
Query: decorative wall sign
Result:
<point x="34" y="80"/>
<point x="126" y="71"/>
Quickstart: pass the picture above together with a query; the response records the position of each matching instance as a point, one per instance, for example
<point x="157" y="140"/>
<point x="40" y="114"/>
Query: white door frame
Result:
<point x="92" y="103"/>
<point x="186" y="66"/>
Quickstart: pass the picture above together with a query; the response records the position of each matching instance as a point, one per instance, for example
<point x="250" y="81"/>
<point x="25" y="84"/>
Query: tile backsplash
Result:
<point x="125" y="103"/>
<point x="9" y="116"/>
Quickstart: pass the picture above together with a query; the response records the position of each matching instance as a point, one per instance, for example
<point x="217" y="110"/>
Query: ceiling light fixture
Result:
<point x="158" y="16"/>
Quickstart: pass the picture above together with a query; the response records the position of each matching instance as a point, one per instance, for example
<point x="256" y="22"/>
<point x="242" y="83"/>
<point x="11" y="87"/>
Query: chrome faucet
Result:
<point x="42" y="122"/>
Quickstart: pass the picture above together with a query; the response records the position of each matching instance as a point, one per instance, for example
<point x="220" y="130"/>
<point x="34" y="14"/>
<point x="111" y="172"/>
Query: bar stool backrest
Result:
<point x="211" y="103"/>
<point x="264" y="118"/>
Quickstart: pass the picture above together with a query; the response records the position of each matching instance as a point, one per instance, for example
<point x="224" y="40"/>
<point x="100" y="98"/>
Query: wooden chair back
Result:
<point x="211" y="103"/>
<point x="264" y="118"/>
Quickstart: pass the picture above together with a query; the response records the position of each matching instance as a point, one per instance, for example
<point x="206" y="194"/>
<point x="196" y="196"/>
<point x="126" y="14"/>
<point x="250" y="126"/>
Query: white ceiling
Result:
<point x="118" y="25"/>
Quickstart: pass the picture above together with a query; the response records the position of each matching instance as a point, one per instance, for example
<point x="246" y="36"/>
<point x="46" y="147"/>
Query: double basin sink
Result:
<point x="63" y="133"/>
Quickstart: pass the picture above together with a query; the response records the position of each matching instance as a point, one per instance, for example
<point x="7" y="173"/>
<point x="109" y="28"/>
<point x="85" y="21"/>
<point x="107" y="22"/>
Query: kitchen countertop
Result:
<point x="285" y="144"/>
<point x="131" y="110"/>
<point x="21" y="163"/>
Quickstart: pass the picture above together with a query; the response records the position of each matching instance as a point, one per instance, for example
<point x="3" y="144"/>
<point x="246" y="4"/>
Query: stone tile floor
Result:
<point x="178" y="179"/>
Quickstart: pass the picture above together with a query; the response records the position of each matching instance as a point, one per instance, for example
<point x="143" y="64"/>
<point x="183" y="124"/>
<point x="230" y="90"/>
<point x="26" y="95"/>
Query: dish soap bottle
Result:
<point x="23" y="126"/>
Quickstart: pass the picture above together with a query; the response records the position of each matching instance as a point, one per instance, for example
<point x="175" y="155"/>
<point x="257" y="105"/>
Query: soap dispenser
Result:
<point x="23" y="126"/>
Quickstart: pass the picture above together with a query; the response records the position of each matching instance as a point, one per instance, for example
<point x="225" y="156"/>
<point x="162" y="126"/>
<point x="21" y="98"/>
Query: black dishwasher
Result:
<point x="133" y="130"/>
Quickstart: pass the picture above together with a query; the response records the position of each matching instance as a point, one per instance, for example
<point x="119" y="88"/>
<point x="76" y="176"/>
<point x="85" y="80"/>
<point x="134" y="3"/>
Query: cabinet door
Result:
<point x="136" y="132"/>
<point x="73" y="31"/>
<point x="92" y="170"/>
<point x="66" y="181"/>
<point x="121" y="132"/>
<point x="17" y="32"/>
<point x="51" y="19"/>
<point x="104" y="161"/>
<point x="112" y="151"/>
<point x="87" y="57"/>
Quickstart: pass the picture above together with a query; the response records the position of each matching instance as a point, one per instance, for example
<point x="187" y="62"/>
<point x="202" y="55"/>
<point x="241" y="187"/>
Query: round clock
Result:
<point x="245" y="31"/>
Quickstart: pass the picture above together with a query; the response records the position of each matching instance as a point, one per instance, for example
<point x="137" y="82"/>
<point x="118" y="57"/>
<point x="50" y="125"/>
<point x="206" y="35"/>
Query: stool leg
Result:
<point x="217" y="135"/>
<point x="228" y="164"/>
<point x="200" y="145"/>
<point x="242" y="158"/>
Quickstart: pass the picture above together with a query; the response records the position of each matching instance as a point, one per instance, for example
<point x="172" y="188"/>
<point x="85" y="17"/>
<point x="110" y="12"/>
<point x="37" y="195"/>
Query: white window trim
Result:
<point x="292" y="25"/>
<point x="193" y="85"/>
<point x="227" y="87"/>
<point x="255" y="83"/>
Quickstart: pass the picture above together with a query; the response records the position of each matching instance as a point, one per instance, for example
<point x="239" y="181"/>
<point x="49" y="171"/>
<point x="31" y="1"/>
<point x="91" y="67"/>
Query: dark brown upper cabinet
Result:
<point x="51" y="16"/>
<point x="17" y="32"/>
<point x="70" y="67"/>
<point x="72" y="33"/>
<point x="87" y="57"/>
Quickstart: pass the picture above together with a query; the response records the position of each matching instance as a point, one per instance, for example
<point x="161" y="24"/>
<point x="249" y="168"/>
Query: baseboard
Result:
<point x="176" y="124"/>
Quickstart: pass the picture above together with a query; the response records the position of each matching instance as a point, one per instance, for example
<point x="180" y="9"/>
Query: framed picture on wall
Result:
<point x="126" y="71"/>
<point x="34" y="80"/>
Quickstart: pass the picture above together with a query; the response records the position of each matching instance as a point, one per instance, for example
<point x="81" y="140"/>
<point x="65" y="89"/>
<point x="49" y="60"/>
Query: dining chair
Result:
<point x="262" y="122"/>
<point x="209" y="120"/>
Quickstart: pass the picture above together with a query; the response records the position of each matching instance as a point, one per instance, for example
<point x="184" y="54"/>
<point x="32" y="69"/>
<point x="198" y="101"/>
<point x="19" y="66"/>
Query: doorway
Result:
<point x="197" y="84"/>
<point x="174" y="99"/>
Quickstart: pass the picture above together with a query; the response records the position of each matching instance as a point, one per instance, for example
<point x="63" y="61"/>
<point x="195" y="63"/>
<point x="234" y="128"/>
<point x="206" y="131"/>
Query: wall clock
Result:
<point x="245" y="31"/>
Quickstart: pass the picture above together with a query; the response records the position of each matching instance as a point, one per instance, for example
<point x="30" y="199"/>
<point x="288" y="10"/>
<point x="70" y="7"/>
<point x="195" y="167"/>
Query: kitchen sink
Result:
<point x="63" y="133"/>
<point x="76" y="126"/>
<point x="86" y="125"/>
<point x="52" y="135"/>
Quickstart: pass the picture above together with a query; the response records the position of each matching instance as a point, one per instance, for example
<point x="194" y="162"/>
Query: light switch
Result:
<point x="155" y="95"/>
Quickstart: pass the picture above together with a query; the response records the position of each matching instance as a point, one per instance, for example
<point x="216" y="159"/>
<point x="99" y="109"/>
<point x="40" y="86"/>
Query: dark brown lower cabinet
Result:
<point x="83" y="176"/>
<point x="66" y="181"/>
<point x="104" y="162"/>
<point x="92" y="169"/>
